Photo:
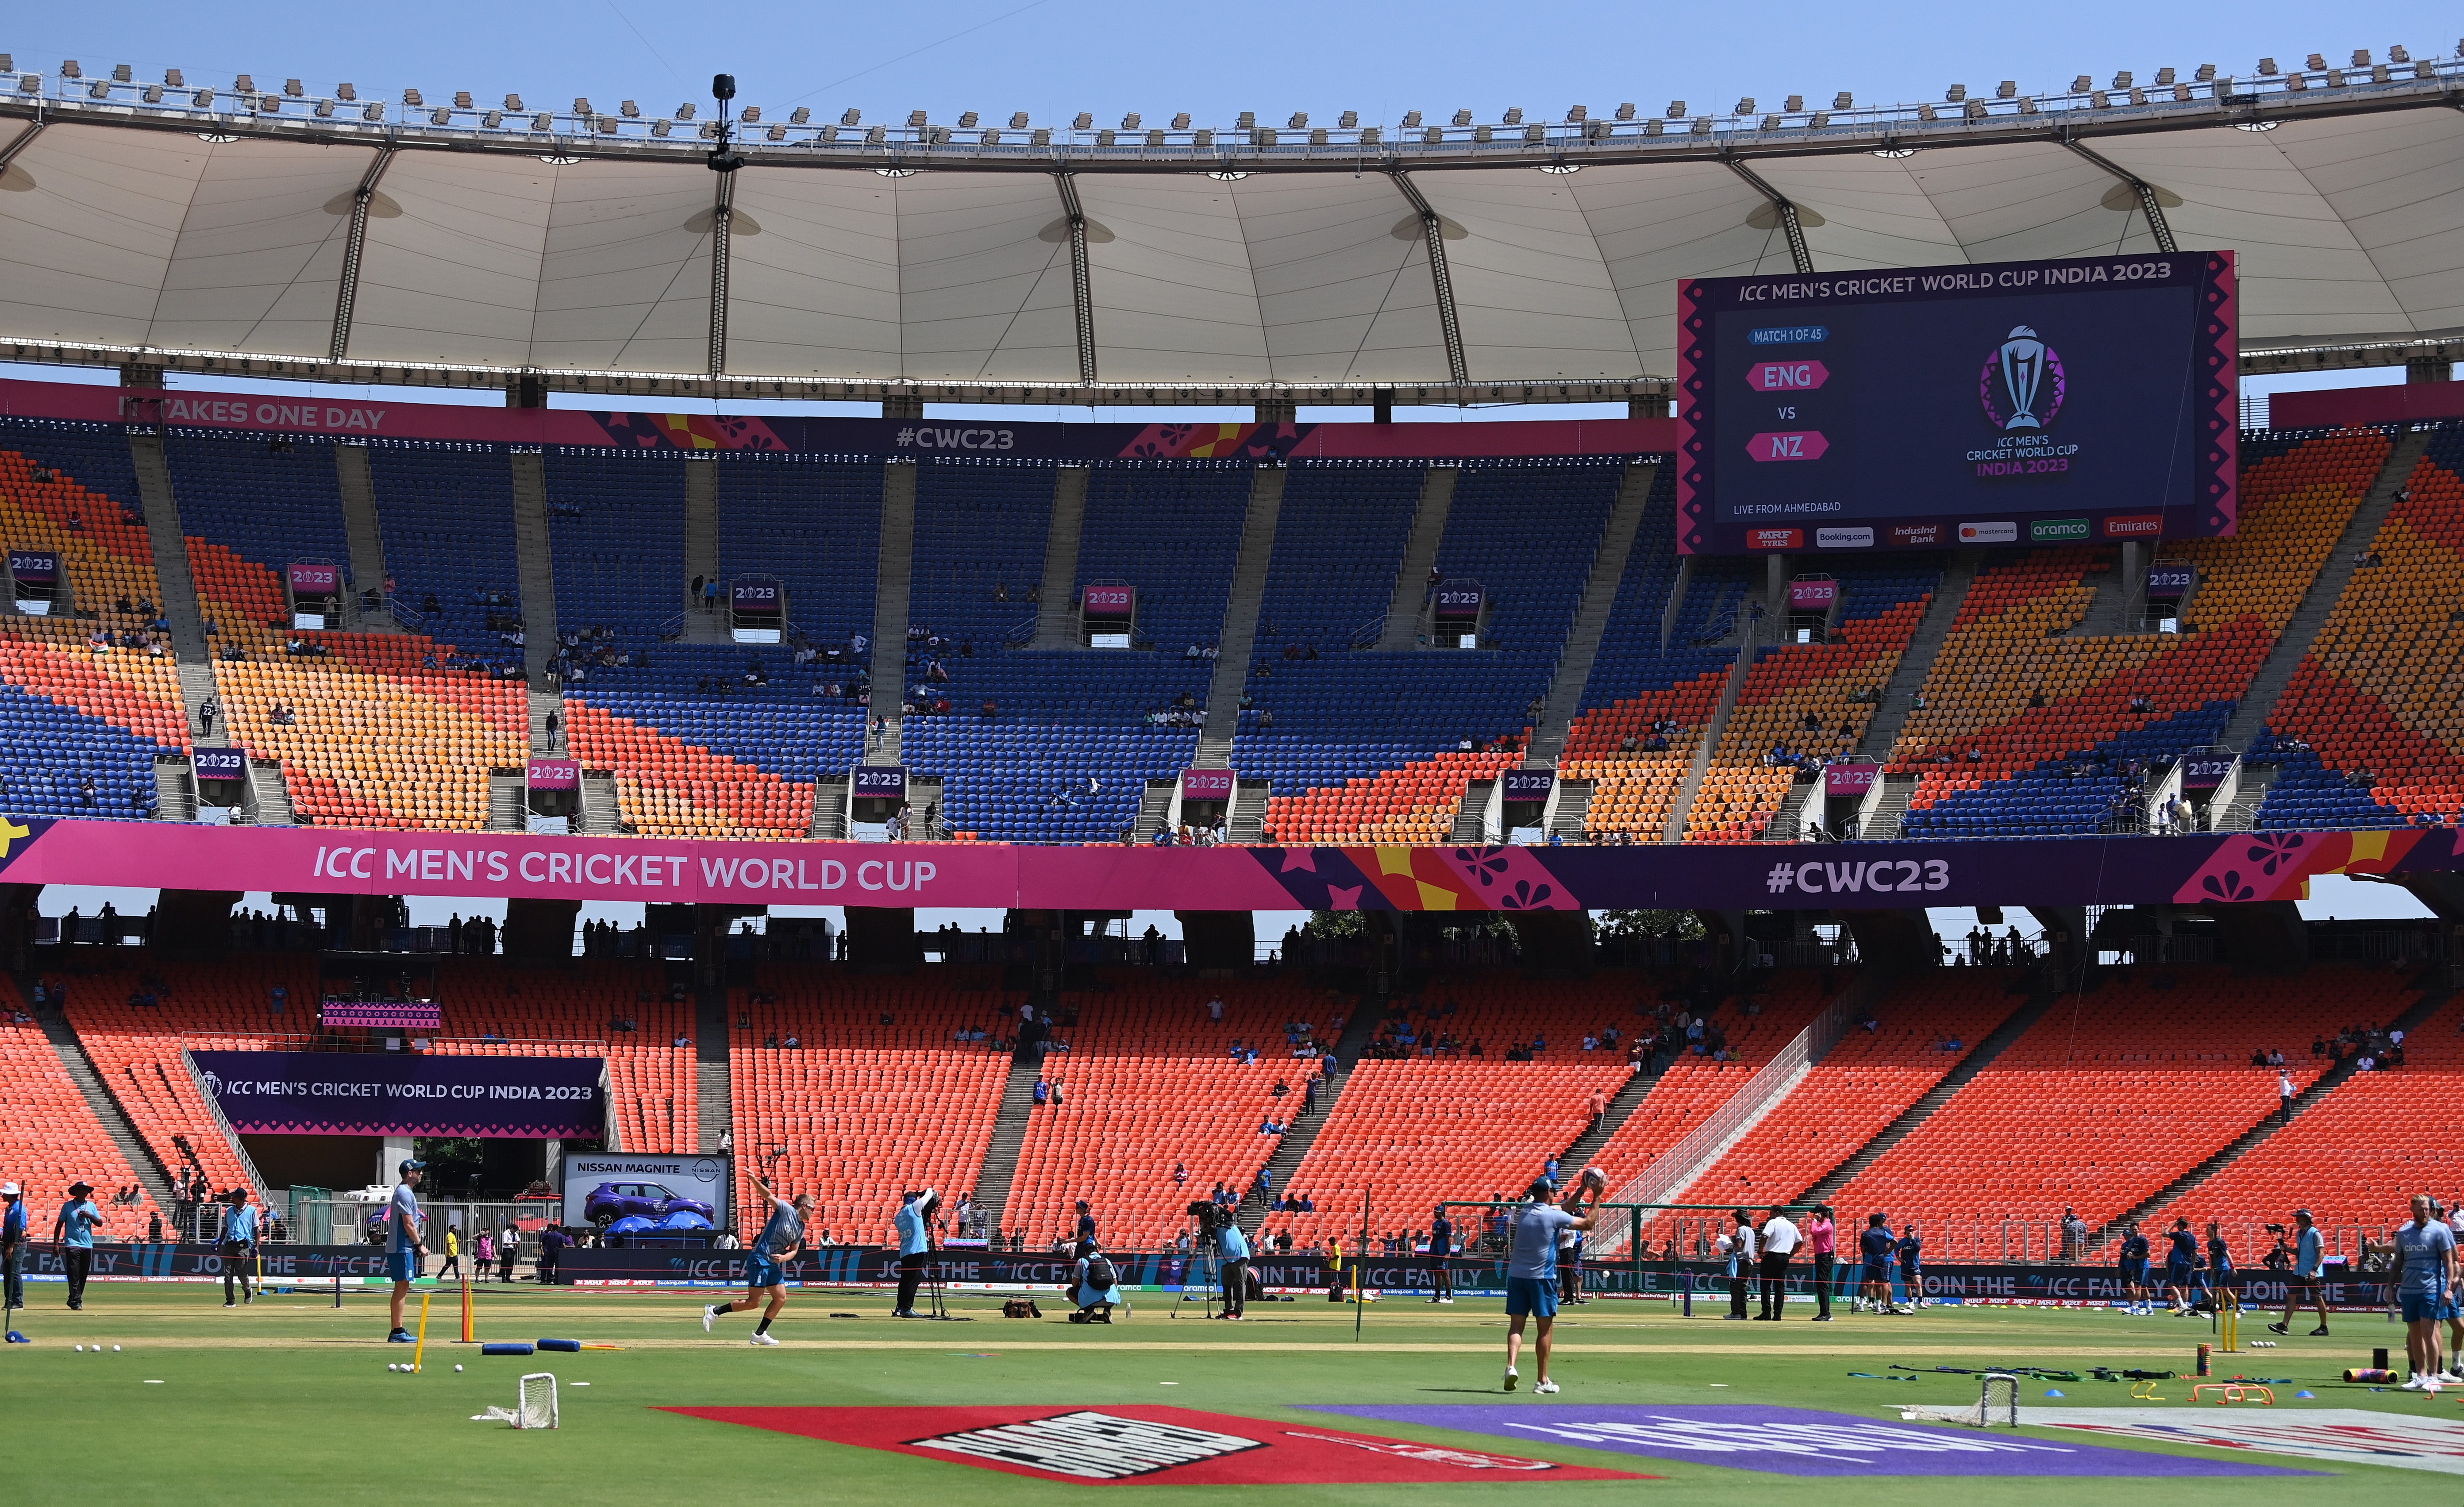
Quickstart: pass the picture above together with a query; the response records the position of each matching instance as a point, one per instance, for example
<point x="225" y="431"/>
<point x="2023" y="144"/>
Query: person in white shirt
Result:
<point x="1780" y="1240"/>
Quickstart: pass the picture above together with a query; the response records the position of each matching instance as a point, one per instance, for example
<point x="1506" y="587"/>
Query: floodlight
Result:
<point x="2267" y="67"/>
<point x="1462" y="116"/>
<point x="440" y="116"/>
<point x="69" y="69"/>
<point x="462" y="100"/>
<point x="852" y="117"/>
<point x="684" y="111"/>
<point x="2317" y="63"/>
<point x="967" y="120"/>
<point x="1411" y="120"/>
<point x="1515" y="115"/>
<point x="1575" y="115"/>
<point x="802" y="115"/>
<point x="752" y="113"/>
<point x="581" y="106"/>
<point x="1348" y="120"/>
<point x="409" y="97"/>
<point x="1130" y="121"/>
<point x="626" y="107"/>
<point x="1955" y="93"/>
<point x="290" y="86"/>
<point x="121" y="74"/>
<point x="1745" y="106"/>
<point x="1082" y="121"/>
<point x="2007" y="89"/>
<point x="1179" y="121"/>
<point x="1844" y="101"/>
<point x="1676" y="109"/>
<point x="153" y="95"/>
<point x="1795" y="104"/>
<point x="2397" y="53"/>
<point x="1626" y="111"/>
<point x="1298" y="123"/>
<point x="512" y="101"/>
<point x="914" y="118"/>
<point x="172" y="77"/>
<point x="488" y="122"/>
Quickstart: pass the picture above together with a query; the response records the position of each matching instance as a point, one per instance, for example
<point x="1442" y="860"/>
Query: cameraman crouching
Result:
<point x="1234" y="1248"/>
<point x="1094" y="1286"/>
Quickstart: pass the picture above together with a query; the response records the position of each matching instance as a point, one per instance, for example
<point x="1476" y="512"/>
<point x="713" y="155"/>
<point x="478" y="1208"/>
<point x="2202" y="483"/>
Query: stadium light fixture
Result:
<point x="1179" y="121"/>
<point x="1676" y="110"/>
<point x="488" y="122"/>
<point x="173" y="78"/>
<point x="543" y="123"/>
<point x="373" y="111"/>
<point x="513" y="104"/>
<point x="852" y="117"/>
<point x="800" y="116"/>
<point x="1794" y="105"/>
<point x="1133" y="121"/>
<point x="152" y="94"/>
<point x="1411" y="120"/>
<point x="967" y="120"/>
<point x="2397" y="53"/>
<point x="1083" y="121"/>
<point x="749" y="114"/>
<point x="2317" y="63"/>
<point x="1844" y="101"/>
<point x="1348" y="120"/>
<point x="1298" y="123"/>
<point x="1017" y="120"/>
<point x="1745" y="106"/>
<point x="1463" y="118"/>
<point x="1515" y="115"/>
<point x="409" y="97"/>
<point x="624" y="107"/>
<point x="1626" y="111"/>
<point x="462" y="100"/>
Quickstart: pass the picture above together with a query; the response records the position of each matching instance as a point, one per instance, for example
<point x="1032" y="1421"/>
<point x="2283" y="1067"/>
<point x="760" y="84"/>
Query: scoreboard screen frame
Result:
<point x="1919" y="489"/>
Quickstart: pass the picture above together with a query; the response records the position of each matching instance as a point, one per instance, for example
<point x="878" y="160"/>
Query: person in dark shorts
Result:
<point x="1442" y="1244"/>
<point x="12" y="1249"/>
<point x="1739" y="1244"/>
<point x="1820" y="1236"/>
<point x="2132" y="1265"/>
<point x="1873" y="1274"/>
<point x="2301" y="1285"/>
<point x="1912" y="1265"/>
<point x="2181" y="1267"/>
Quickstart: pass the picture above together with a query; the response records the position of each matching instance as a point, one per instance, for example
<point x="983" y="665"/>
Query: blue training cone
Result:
<point x="2053" y="1391"/>
<point x="15" y="1338"/>
<point x="2312" y="1395"/>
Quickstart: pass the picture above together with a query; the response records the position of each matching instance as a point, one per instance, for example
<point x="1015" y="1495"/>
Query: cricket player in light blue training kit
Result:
<point x="2427" y="1247"/>
<point x="404" y="1247"/>
<point x="765" y="1276"/>
<point x="1531" y="1272"/>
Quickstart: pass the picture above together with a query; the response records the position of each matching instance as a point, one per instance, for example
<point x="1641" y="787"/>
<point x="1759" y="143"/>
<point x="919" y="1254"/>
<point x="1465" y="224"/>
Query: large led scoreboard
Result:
<point x="2089" y="401"/>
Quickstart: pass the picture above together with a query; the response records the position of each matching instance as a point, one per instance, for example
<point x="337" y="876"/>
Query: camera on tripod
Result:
<point x="1207" y="1216"/>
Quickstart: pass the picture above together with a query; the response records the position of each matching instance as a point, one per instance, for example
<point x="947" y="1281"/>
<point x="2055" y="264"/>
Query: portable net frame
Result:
<point x="534" y="1408"/>
<point x="1998" y="1402"/>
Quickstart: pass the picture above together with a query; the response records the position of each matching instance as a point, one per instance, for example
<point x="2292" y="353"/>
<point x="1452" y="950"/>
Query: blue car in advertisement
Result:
<point x="611" y="1202"/>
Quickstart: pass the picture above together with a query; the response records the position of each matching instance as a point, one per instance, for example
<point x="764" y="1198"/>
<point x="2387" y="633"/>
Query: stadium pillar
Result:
<point x="541" y="928"/>
<point x="18" y="921"/>
<point x="1218" y="938"/>
<point x="2134" y="585"/>
<point x="2066" y="939"/>
<point x="2268" y="938"/>
<point x="1775" y="585"/>
<point x="526" y="391"/>
<point x="906" y="406"/>
<point x="1381" y="406"/>
<point x="2420" y="368"/>
<point x="1555" y="944"/>
<point x="881" y="938"/>
<point x="192" y="920"/>
<point x="1278" y="411"/>
<point x="1896" y="941"/>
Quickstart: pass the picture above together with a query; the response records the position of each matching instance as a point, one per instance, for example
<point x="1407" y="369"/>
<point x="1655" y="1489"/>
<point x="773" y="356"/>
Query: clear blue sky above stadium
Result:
<point x="1055" y="57"/>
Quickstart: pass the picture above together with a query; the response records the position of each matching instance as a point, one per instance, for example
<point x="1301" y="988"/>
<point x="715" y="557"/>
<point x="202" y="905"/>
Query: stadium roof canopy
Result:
<point x="281" y="234"/>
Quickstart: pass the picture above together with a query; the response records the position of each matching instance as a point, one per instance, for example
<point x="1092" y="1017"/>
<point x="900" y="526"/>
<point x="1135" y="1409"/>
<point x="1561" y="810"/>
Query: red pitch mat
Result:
<point x="1144" y="1446"/>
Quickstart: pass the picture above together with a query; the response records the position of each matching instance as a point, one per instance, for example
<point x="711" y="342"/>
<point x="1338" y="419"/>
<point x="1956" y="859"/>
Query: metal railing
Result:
<point x="1686" y="1160"/>
<point x="246" y="1164"/>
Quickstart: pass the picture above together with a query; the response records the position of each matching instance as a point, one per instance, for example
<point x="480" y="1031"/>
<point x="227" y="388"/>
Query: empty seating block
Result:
<point x="1411" y="1132"/>
<point x="2356" y="1158"/>
<point x="815" y="524"/>
<point x="1149" y="1083"/>
<point x="861" y="1111"/>
<point x="618" y="1010"/>
<point x="2374" y="699"/>
<point x="2113" y="1095"/>
<point x="51" y="1139"/>
<point x="980" y="534"/>
<point x="1923" y="1028"/>
<point x="447" y="515"/>
<point x="2026" y="717"/>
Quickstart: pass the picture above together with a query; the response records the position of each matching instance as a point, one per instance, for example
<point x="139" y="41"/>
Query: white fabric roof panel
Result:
<point x="2021" y="200"/>
<point x="1342" y="271"/>
<point x="813" y="276"/>
<point x="2349" y="226"/>
<point x="2397" y="184"/>
<point x="983" y="297"/>
<point x="1533" y="295"/>
<point x="2301" y="270"/>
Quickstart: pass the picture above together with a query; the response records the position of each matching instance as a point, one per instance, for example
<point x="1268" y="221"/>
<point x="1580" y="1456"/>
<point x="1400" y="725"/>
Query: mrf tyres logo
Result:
<point x="1091" y="1445"/>
<point x="1864" y="876"/>
<point x="2022" y="388"/>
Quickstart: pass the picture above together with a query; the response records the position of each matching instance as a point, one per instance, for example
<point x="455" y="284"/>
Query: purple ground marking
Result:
<point x="1793" y="1441"/>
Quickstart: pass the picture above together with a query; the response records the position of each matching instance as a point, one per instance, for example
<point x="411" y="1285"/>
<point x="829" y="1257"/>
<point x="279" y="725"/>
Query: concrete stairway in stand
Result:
<point x="1419" y="553"/>
<point x="600" y="814"/>
<point x="270" y="797"/>
<point x="1684" y="803"/>
<point x="1908" y="677"/>
<point x="1155" y="803"/>
<point x="107" y="1112"/>
<point x="536" y="560"/>
<point x="1592" y="618"/>
<point x="179" y="599"/>
<point x="2325" y="590"/>
<point x="1286" y="1163"/>
<point x="1586" y="1145"/>
<point x="366" y="537"/>
<point x="1056" y="620"/>
<point x="1470" y="817"/>
<point x="892" y="582"/>
<point x="1240" y="632"/>
<point x="2045" y="986"/>
<point x="508" y="801"/>
<point x="1009" y="1138"/>
<point x="713" y="1083"/>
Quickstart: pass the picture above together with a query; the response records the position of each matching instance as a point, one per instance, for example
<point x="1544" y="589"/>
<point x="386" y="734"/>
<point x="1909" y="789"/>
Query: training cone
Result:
<point x="2054" y="1392"/>
<point x="2305" y="1394"/>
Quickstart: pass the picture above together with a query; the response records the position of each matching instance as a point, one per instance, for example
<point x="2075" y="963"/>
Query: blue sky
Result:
<point x="1053" y="59"/>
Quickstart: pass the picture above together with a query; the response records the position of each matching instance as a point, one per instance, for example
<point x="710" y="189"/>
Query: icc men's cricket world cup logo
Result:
<point x="2023" y="384"/>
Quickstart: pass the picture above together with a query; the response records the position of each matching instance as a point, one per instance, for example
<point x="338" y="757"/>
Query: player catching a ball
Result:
<point x="1532" y="1266"/>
